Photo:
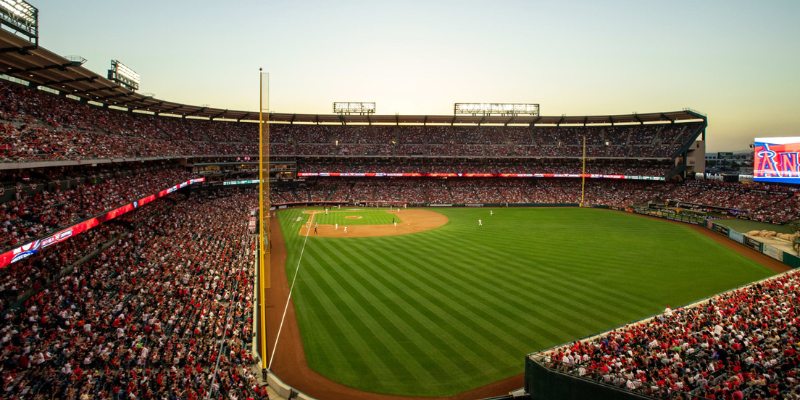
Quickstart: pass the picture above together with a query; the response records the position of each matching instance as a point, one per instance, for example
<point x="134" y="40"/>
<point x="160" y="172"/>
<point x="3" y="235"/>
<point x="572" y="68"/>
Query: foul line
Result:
<point x="291" y="288"/>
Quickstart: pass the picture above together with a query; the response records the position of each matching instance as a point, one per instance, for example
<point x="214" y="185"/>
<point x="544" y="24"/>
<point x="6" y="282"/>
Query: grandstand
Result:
<point x="127" y="248"/>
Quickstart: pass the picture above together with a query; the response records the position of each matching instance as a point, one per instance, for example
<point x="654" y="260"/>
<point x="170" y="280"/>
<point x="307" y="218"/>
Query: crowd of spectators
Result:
<point x="37" y="125"/>
<point x="610" y="192"/>
<point x="494" y="166"/>
<point x="663" y="141"/>
<point x="165" y="311"/>
<point x="737" y="345"/>
<point x="757" y="201"/>
<point x="41" y="207"/>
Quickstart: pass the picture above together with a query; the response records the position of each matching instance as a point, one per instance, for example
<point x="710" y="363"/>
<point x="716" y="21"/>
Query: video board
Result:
<point x="777" y="159"/>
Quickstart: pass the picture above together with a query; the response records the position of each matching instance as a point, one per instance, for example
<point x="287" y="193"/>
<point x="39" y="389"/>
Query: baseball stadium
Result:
<point x="156" y="249"/>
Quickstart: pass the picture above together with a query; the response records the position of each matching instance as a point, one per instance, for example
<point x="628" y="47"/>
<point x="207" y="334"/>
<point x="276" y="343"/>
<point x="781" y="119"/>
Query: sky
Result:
<point x="735" y="61"/>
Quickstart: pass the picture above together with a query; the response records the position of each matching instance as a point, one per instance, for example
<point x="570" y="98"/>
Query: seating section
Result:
<point x="154" y="315"/>
<point x="36" y="213"/>
<point x="485" y="165"/>
<point x="36" y="125"/>
<point x="739" y="345"/>
<point x="761" y="202"/>
<point x="159" y="302"/>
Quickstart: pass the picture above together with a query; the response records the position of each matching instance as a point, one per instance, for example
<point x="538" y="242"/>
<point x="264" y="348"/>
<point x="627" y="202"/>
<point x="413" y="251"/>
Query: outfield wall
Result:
<point x="543" y="383"/>
<point x="791" y="260"/>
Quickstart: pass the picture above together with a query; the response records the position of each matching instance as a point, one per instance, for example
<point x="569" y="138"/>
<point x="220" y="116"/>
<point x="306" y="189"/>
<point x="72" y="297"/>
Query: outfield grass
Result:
<point x="444" y="311"/>
<point x="368" y="216"/>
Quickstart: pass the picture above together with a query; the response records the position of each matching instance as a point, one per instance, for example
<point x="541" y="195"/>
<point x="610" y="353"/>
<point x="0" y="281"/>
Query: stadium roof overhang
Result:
<point x="42" y="67"/>
<point x="664" y="117"/>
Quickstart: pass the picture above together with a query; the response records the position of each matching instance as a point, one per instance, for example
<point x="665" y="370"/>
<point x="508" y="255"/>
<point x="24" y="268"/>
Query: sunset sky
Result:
<point x="736" y="61"/>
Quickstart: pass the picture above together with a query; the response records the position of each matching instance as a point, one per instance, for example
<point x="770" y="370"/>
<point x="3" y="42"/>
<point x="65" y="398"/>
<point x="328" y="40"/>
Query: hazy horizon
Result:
<point x="731" y="60"/>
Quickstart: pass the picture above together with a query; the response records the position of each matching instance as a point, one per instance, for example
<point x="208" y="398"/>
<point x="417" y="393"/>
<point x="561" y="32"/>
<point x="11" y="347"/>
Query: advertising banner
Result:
<point x="773" y="252"/>
<point x="469" y="175"/>
<point x="34" y="247"/>
<point x="752" y="243"/>
<point x="736" y="236"/>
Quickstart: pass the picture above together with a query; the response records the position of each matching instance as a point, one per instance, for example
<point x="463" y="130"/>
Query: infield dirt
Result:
<point x="411" y="221"/>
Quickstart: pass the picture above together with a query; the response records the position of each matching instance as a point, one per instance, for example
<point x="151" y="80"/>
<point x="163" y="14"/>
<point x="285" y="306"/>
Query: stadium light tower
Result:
<point x="354" y="107"/>
<point x="496" y="109"/>
<point x="22" y="18"/>
<point x="123" y="75"/>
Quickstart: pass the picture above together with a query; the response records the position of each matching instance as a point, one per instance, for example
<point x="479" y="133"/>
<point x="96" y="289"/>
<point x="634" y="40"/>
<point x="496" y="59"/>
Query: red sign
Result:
<point x="34" y="247"/>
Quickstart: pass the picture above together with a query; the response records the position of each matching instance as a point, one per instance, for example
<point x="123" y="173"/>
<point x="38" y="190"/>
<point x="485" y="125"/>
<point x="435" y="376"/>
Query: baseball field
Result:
<point x="442" y="308"/>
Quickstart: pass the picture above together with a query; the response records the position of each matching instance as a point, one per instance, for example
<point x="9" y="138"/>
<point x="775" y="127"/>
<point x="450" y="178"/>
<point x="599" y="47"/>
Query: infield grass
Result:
<point x="356" y="216"/>
<point x="440" y="312"/>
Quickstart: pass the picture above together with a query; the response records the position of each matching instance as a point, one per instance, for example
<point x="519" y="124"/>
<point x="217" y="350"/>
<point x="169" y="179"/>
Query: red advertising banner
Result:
<point x="469" y="175"/>
<point x="34" y="247"/>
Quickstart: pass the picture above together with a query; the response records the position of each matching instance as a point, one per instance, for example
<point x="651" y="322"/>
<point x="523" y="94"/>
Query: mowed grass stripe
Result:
<point x="373" y="329"/>
<point x="385" y="326"/>
<point x="407" y="307"/>
<point x="334" y="350"/>
<point x="327" y="353"/>
<point x="531" y="277"/>
<point x="462" y="331"/>
<point x="435" y="308"/>
<point x="634" y="299"/>
<point x="494" y="279"/>
<point x="426" y="304"/>
<point x="514" y="323"/>
<point x="511" y="321"/>
<point x="467" y="287"/>
<point x="350" y="326"/>
<point x="550" y="320"/>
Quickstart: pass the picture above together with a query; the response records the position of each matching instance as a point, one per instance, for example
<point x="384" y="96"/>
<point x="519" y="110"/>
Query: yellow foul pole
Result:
<point x="583" y="171"/>
<point x="261" y="220"/>
<point x="268" y="221"/>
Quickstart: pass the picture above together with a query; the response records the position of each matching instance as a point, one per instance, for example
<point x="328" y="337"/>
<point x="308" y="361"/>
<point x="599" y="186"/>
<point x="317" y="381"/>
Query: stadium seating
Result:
<point x="761" y="202"/>
<point x="144" y="318"/>
<point x="741" y="344"/>
<point x="482" y="165"/>
<point x="31" y="216"/>
<point x="37" y="125"/>
<point x="137" y="307"/>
